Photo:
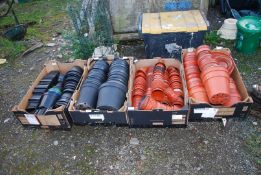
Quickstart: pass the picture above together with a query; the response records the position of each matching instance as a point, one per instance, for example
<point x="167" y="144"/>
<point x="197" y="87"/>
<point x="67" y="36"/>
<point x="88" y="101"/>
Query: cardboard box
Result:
<point x="58" y="118"/>
<point x="96" y="116"/>
<point x="144" y="118"/>
<point x="206" y="112"/>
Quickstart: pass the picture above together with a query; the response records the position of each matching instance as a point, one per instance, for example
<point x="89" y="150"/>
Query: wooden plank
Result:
<point x="126" y="36"/>
<point x="146" y="23"/>
<point x="155" y="25"/>
<point x="200" y="20"/>
<point x="191" y="23"/>
<point x="172" y="22"/>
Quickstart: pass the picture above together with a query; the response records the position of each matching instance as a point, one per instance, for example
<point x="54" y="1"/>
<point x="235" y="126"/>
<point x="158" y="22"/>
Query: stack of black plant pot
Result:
<point x="97" y="93"/>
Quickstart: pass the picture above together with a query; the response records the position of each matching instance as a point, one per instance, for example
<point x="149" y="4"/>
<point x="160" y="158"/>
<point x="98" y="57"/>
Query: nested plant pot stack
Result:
<point x="105" y="87"/>
<point x="208" y="75"/>
<point x="158" y="87"/>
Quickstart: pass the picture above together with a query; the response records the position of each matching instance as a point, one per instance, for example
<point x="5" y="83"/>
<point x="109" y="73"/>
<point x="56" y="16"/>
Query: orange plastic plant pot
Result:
<point x="190" y="55"/>
<point x="140" y="87"/>
<point x="172" y="69"/>
<point x="190" y="63"/>
<point x="232" y="100"/>
<point x="138" y="93"/>
<point x="179" y="92"/>
<point x="224" y="61"/>
<point x="199" y="93"/>
<point x="202" y="48"/>
<point x="194" y="82"/>
<point x="172" y="97"/>
<point x="215" y="71"/>
<point x="176" y="85"/>
<point x="201" y="97"/>
<point x="159" y="95"/>
<point x="192" y="70"/>
<point x="136" y="100"/>
<point x="144" y="103"/>
<point x="217" y="89"/>
<point x="188" y="77"/>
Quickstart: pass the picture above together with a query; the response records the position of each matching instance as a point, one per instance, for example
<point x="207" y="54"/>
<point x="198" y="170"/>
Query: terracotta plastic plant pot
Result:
<point x="177" y="107"/>
<point x="235" y="97"/>
<point x="148" y="92"/>
<point x="221" y="52"/>
<point x="188" y="77"/>
<point x="158" y="83"/>
<point x="232" y="100"/>
<point x="166" y="76"/>
<point x="179" y="101"/>
<point x="205" y="60"/>
<point x="191" y="70"/>
<point x="142" y="70"/>
<point x="143" y="103"/>
<point x="172" y="97"/>
<point x="140" y="84"/>
<point x="175" y="79"/>
<point x="214" y="72"/>
<point x="189" y="58"/>
<point x="172" y="69"/>
<point x="194" y="82"/>
<point x="190" y="63"/>
<point x="147" y="103"/>
<point x="232" y="84"/>
<point x="160" y="67"/>
<point x="136" y="100"/>
<point x="159" y="95"/>
<point x="164" y="107"/>
<point x="140" y="78"/>
<point x="140" y="74"/>
<point x="201" y="97"/>
<point x="217" y="89"/>
<point x="179" y="92"/>
<point x="176" y="86"/>
<point x="150" y="70"/>
<point x="224" y="60"/>
<point x="190" y="54"/>
<point x="139" y="87"/>
<point x="199" y="93"/>
<point x="196" y="89"/>
<point x="139" y="92"/>
<point x="202" y="48"/>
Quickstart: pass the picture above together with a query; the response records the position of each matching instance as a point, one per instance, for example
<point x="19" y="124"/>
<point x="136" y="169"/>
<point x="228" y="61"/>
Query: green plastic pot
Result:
<point x="248" y="34"/>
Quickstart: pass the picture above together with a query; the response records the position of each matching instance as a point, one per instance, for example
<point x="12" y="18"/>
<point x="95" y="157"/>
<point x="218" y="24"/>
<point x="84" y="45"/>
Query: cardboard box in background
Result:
<point x="143" y="118"/>
<point x="58" y="118"/>
<point x="206" y="112"/>
<point x="96" y="116"/>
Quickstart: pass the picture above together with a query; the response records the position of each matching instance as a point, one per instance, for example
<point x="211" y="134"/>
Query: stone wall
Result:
<point x="125" y="13"/>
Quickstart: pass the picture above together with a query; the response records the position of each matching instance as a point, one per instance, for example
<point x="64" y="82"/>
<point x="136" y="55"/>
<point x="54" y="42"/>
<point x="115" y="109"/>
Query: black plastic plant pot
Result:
<point x="119" y="78"/>
<point x="92" y="81"/>
<point x="48" y="100"/>
<point x="111" y="96"/>
<point x="64" y="100"/>
<point x="102" y="65"/>
<point x="77" y="69"/>
<point x="88" y="97"/>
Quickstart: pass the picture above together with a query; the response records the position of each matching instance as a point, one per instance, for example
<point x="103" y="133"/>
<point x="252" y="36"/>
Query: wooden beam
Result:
<point x="126" y="36"/>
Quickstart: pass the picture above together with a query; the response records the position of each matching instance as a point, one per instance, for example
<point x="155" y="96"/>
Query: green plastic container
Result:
<point x="248" y="34"/>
